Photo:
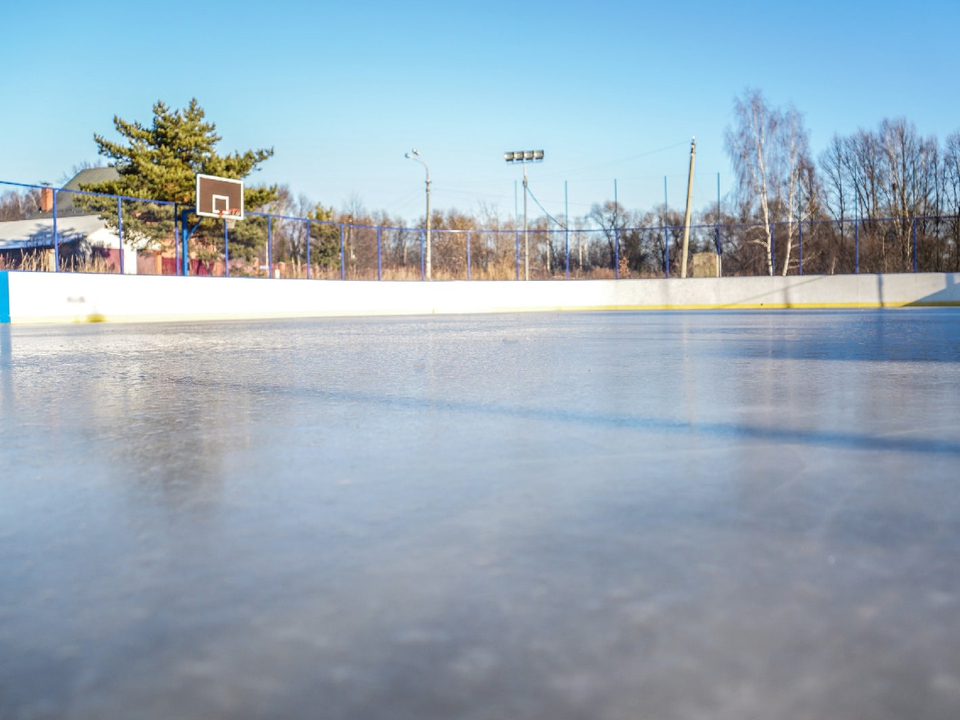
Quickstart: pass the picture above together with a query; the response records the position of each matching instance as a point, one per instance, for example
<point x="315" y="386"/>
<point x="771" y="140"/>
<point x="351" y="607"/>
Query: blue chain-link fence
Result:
<point x="61" y="230"/>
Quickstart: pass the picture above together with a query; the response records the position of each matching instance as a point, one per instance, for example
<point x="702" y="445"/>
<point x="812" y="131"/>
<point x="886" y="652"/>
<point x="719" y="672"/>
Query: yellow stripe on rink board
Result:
<point x="210" y="317"/>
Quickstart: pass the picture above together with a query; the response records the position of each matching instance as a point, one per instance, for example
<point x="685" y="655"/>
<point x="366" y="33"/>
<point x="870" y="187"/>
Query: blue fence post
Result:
<point x="666" y="233"/>
<point x="379" y="255"/>
<point x="517" y="252"/>
<point x="566" y="231"/>
<point x="226" y="250"/>
<point x="185" y="250"/>
<point x="719" y="250"/>
<point x="308" y="249"/>
<point x="269" y="246"/>
<point x="914" y="245"/>
<point x="120" y="230"/>
<point x="342" y="272"/>
<point x="468" y="254"/>
<point x="56" y="244"/>
<point x="856" y="247"/>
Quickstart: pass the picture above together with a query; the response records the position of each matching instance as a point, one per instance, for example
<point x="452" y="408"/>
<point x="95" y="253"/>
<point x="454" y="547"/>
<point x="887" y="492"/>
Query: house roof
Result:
<point x="37" y="233"/>
<point x="89" y="176"/>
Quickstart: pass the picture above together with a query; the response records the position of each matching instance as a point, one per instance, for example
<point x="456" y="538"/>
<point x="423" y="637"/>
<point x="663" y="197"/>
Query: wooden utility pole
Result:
<point x="686" y="215"/>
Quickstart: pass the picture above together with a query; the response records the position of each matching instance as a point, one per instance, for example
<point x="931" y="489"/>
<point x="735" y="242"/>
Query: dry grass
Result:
<point x="42" y="261"/>
<point x="88" y="265"/>
<point x="28" y="261"/>
<point x="411" y="273"/>
<point x="500" y="270"/>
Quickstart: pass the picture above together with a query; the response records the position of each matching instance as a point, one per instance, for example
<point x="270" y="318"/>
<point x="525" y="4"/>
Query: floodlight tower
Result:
<point x="415" y="156"/>
<point x="524" y="157"/>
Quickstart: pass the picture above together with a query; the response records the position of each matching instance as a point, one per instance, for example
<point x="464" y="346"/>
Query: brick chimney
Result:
<point x="46" y="199"/>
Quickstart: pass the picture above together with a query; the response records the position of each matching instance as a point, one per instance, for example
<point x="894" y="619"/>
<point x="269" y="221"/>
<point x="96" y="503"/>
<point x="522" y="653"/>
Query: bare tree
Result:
<point x="838" y="194"/>
<point x="353" y="214"/>
<point x="893" y="176"/>
<point x="951" y="198"/>
<point x="609" y="216"/>
<point x="793" y="167"/>
<point x="19" y="205"/>
<point x="768" y="146"/>
<point x="907" y="162"/>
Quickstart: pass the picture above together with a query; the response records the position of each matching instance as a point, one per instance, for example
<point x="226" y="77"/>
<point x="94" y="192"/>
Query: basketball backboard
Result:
<point x="219" y="197"/>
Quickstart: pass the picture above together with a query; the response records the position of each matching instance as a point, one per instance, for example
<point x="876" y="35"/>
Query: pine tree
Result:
<point x="161" y="162"/>
<point x="324" y="238"/>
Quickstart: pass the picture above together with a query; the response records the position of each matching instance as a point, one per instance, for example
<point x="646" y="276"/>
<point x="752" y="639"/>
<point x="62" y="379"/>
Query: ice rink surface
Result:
<point x="559" y="516"/>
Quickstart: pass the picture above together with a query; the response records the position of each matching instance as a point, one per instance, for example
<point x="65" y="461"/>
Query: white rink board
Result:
<point x="74" y="297"/>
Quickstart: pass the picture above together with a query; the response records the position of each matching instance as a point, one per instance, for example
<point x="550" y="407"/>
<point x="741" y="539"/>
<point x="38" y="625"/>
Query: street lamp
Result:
<point x="415" y="155"/>
<point x="524" y="157"/>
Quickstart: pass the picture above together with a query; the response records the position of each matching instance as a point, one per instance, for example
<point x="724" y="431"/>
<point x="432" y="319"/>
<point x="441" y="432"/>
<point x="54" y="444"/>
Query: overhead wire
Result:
<point x="440" y="190"/>
<point x="623" y="160"/>
<point x="544" y="209"/>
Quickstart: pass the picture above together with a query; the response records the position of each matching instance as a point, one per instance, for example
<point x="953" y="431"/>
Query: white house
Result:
<point x="75" y="230"/>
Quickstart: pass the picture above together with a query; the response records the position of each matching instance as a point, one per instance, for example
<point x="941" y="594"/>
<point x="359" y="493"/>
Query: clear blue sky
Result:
<point x="609" y="90"/>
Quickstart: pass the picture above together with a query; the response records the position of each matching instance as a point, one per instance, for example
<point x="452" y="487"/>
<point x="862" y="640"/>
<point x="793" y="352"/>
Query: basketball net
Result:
<point x="230" y="216"/>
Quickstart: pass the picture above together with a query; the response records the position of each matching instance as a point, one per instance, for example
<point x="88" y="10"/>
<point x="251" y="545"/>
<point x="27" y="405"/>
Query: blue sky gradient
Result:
<point x="609" y="90"/>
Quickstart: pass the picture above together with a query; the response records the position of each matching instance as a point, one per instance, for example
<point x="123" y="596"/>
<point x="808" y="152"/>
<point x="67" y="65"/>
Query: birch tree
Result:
<point x="768" y="147"/>
<point x="19" y="204"/>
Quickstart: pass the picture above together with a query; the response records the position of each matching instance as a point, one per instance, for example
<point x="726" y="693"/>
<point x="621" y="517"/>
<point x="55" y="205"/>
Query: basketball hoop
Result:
<point x="231" y="216"/>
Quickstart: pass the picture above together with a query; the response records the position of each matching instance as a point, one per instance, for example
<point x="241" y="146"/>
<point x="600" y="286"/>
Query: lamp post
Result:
<point x="415" y="155"/>
<point x="524" y="157"/>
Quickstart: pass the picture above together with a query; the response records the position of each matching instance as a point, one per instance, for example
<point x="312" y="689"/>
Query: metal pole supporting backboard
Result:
<point x="185" y="270"/>
<point x="176" y="237"/>
<point x="120" y="231"/>
<point x="226" y="250"/>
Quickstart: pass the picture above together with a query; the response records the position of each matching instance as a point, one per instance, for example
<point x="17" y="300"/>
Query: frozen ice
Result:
<point x="584" y="515"/>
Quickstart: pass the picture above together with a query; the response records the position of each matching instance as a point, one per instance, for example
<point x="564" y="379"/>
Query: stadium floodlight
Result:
<point x="414" y="155"/>
<point x="524" y="157"/>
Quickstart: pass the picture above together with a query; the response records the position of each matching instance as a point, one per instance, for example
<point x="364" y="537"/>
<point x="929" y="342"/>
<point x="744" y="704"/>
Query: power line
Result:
<point x="544" y="209"/>
<point x="626" y="159"/>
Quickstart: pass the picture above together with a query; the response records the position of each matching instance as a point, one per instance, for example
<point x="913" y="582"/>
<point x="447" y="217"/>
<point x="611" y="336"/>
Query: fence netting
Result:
<point x="61" y="230"/>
